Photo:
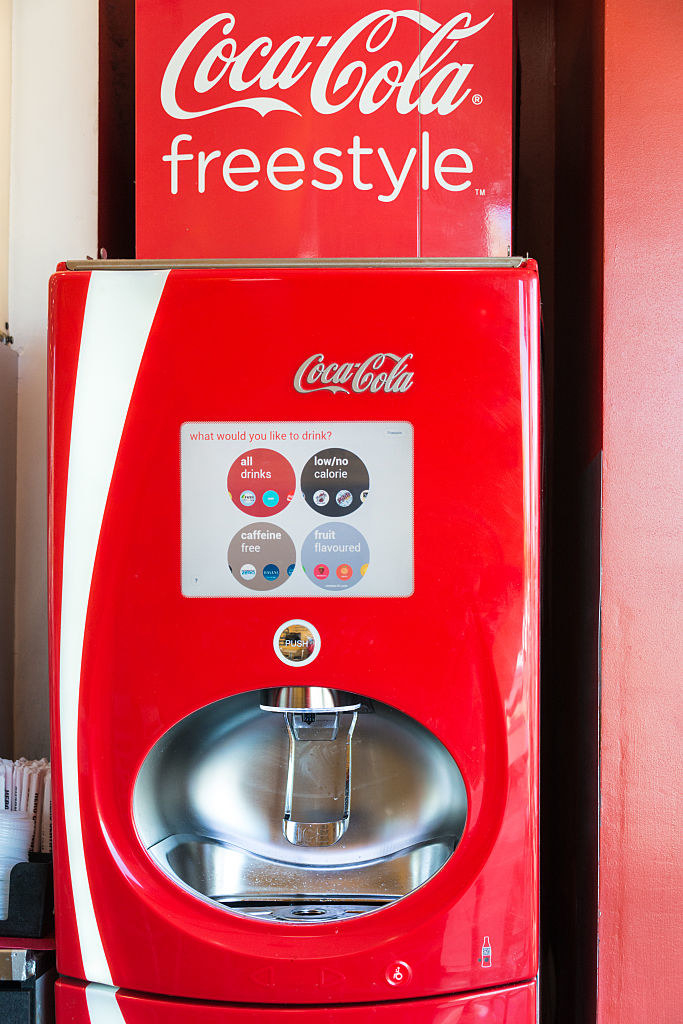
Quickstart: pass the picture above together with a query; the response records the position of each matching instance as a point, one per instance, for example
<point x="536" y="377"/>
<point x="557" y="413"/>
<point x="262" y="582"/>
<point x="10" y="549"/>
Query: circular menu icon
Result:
<point x="261" y="556"/>
<point x="335" y="556"/>
<point x="261" y="482"/>
<point x="335" y="482"/>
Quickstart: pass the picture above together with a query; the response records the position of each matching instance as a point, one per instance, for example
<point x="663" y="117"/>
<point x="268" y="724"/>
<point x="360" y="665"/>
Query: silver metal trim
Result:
<point x="345" y="709"/>
<point x="314" y="699"/>
<point x="473" y="263"/>
<point x="17" y="965"/>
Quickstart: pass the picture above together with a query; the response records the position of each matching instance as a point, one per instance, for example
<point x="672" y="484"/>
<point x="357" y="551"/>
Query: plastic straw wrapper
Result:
<point x="46" y="815"/>
<point x="34" y="807"/>
<point x="24" y="782"/>
<point x="16" y="786"/>
<point x="9" y="772"/>
<point x="5" y="784"/>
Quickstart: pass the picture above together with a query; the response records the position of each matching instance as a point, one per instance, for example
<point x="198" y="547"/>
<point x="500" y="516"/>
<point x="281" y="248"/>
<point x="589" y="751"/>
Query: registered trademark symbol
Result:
<point x="477" y="99"/>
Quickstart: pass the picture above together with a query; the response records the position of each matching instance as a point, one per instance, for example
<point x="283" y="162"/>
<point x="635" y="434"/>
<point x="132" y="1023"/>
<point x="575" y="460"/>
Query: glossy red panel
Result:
<point x="323" y="130"/>
<point x="225" y="345"/>
<point x="468" y="210"/>
<point x="512" y="1005"/>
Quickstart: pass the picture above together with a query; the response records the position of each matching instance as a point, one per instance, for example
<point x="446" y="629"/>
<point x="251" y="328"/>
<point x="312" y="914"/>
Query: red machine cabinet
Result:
<point x="448" y="349"/>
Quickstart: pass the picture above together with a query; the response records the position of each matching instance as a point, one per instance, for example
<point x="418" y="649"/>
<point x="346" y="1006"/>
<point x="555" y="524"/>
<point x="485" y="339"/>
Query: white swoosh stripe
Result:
<point x="119" y="311"/>
<point x="102" y="1005"/>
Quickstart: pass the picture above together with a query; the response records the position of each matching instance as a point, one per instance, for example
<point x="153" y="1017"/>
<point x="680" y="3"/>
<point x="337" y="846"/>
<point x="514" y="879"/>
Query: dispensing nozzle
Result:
<point x="320" y="724"/>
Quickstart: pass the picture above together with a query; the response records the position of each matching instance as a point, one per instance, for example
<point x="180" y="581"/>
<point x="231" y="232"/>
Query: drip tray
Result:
<point x="296" y="912"/>
<point x="260" y="887"/>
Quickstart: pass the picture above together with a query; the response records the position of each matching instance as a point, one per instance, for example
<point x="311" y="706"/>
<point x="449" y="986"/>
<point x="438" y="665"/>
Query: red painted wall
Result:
<point x="641" y="882"/>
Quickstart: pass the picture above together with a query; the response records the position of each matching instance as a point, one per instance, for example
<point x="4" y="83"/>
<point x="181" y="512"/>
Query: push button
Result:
<point x="398" y="973"/>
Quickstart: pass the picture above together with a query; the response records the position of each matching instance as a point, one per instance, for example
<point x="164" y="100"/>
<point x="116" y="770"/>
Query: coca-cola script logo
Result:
<point x="430" y="84"/>
<point x="383" y="371"/>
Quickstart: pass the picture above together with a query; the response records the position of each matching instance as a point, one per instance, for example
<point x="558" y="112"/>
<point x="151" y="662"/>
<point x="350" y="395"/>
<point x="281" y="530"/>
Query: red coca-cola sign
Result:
<point x="335" y="129"/>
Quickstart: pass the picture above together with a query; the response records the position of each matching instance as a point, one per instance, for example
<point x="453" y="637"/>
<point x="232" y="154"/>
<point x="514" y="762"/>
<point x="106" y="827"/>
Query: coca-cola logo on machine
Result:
<point x="383" y="371"/>
<point x="333" y="129"/>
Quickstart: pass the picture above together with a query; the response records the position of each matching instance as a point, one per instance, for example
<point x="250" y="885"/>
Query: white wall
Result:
<point x="8" y="476"/>
<point x="53" y="216"/>
<point x="8" y="386"/>
<point x="5" y="80"/>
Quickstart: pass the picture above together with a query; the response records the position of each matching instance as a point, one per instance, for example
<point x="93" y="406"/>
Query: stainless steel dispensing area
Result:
<point x="300" y="804"/>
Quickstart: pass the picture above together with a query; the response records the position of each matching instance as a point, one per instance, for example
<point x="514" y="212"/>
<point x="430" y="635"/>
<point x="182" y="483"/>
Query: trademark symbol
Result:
<point x="480" y="191"/>
<point x="477" y="99"/>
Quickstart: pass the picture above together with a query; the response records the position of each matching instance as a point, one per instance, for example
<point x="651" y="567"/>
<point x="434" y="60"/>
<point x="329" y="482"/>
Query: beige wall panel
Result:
<point x="53" y="216"/>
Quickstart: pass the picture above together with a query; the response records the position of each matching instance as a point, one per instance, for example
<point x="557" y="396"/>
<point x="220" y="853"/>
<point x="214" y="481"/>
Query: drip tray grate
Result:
<point x="299" y="912"/>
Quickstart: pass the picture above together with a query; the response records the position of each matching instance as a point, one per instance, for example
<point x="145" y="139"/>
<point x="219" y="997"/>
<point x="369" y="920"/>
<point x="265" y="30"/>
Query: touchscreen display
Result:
<point x="297" y="508"/>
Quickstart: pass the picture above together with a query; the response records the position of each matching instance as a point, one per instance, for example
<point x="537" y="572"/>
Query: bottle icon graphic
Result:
<point x="486" y="952"/>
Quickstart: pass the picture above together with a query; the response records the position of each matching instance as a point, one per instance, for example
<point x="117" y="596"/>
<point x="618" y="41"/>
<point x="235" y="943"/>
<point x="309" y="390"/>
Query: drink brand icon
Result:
<point x="383" y="371"/>
<point x="486" y="952"/>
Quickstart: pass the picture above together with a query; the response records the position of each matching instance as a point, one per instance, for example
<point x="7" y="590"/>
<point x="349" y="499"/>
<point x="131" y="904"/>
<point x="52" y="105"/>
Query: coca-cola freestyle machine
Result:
<point x="294" y="641"/>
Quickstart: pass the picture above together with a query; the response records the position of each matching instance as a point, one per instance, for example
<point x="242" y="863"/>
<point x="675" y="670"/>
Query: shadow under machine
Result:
<point x="294" y="621"/>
